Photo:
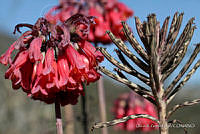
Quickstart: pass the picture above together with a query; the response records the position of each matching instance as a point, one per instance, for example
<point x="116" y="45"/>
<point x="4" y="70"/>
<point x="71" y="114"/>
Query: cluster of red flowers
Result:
<point x="108" y="13"/>
<point x="53" y="61"/>
<point x="131" y="104"/>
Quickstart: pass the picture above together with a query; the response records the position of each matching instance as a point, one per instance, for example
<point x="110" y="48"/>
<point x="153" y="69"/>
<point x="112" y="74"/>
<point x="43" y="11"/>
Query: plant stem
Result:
<point x="162" y="113"/>
<point x="58" y="117"/>
<point x="69" y="117"/>
<point x="102" y="104"/>
<point x="84" y="112"/>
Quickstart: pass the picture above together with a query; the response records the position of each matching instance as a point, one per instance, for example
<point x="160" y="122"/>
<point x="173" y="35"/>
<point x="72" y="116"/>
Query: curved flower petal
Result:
<point x="63" y="71"/>
<point x="34" y="49"/>
<point x="91" y="52"/>
<point x="48" y="62"/>
<point x="26" y="73"/>
<point x="20" y="59"/>
<point x="76" y="60"/>
<point x="6" y="57"/>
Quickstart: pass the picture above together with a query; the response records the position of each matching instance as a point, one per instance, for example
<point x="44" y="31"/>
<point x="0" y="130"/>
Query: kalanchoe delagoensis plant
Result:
<point x="108" y="13"/>
<point x="160" y="55"/>
<point x="53" y="61"/>
<point x="130" y="103"/>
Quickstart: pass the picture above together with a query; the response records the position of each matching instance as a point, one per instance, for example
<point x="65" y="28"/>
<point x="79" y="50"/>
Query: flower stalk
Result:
<point x="84" y="111"/>
<point x="59" y="126"/>
<point x="52" y="62"/>
<point x="102" y="103"/>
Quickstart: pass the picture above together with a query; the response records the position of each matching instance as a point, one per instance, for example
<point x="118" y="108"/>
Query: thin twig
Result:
<point x="173" y="32"/>
<point x="137" y="88"/>
<point x="177" y="57"/>
<point x="84" y="111"/>
<point x="147" y="34"/>
<point x="187" y="103"/>
<point x="163" y="34"/>
<point x="122" y="66"/>
<point x="123" y="76"/>
<point x="58" y="117"/>
<point x="134" y="72"/>
<point x="183" y="70"/>
<point x="120" y="44"/>
<point x="140" y="27"/>
<point x="114" y="61"/>
<point x="174" y="28"/>
<point x="183" y="42"/>
<point x="181" y="84"/>
<point x="134" y="43"/>
<point x="183" y="36"/>
<point x="124" y="119"/>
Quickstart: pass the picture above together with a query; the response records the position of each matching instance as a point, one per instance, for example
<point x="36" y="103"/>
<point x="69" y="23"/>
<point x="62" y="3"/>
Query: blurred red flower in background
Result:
<point x="130" y="104"/>
<point x="53" y="60"/>
<point x="108" y="13"/>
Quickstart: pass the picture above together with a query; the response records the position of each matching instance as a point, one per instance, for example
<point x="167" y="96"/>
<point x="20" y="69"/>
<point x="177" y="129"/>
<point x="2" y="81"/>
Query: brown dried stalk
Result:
<point x="124" y="119"/>
<point x="187" y="103"/>
<point x="182" y="83"/>
<point x="158" y="59"/>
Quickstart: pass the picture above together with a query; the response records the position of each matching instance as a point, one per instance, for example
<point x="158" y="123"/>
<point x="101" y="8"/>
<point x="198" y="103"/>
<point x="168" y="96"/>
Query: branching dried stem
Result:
<point x="158" y="59"/>
<point x="163" y="34"/>
<point x="182" y="83"/>
<point x="183" y="70"/>
<point x="121" y="45"/>
<point x="136" y="88"/>
<point x="134" y="43"/>
<point x="149" y="98"/>
<point x="178" y="52"/>
<point x="187" y="103"/>
<point x="124" y="119"/>
<point x="123" y="67"/>
<point x="139" y="27"/>
<point x="135" y="73"/>
<point x="173" y="32"/>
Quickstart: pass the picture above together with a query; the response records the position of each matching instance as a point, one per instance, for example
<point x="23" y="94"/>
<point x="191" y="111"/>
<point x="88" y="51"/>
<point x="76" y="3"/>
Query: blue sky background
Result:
<point x="13" y="12"/>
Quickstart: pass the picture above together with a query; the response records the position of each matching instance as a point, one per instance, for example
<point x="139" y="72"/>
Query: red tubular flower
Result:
<point x="6" y="57"/>
<point x="63" y="70"/>
<point x="14" y="73"/>
<point x="108" y="13"/>
<point x="53" y="60"/>
<point x="131" y="104"/>
<point x="34" y="49"/>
